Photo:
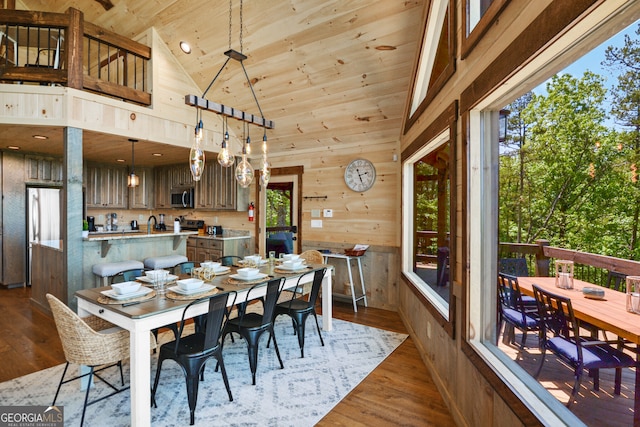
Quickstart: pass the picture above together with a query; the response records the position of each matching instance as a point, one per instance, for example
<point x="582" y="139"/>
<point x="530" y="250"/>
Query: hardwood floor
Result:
<point x="400" y="391"/>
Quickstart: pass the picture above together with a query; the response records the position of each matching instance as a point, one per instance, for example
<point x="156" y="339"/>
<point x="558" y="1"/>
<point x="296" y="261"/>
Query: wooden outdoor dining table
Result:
<point x="609" y="314"/>
<point x="141" y="318"/>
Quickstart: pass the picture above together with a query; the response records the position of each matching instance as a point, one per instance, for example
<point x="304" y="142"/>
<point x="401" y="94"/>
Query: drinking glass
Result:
<point x="160" y="282"/>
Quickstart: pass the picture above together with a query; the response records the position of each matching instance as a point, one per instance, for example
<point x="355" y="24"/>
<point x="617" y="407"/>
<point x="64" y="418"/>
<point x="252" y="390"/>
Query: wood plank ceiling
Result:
<point x="330" y="73"/>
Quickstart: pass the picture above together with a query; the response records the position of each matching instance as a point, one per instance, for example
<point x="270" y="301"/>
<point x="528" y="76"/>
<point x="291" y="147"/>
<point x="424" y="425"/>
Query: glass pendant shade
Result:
<point x="225" y="156"/>
<point x="244" y="172"/>
<point x="196" y="155"/>
<point x="196" y="161"/>
<point x="133" y="180"/>
<point x="265" y="174"/>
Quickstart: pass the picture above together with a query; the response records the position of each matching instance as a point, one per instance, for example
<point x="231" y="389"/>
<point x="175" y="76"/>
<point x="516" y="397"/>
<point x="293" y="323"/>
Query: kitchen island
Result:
<point x="204" y="247"/>
<point x="100" y="248"/>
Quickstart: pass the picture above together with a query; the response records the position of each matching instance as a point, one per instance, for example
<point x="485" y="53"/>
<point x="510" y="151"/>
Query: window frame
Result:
<point x="443" y="130"/>
<point x="480" y="106"/>
<point x="446" y="73"/>
<point x="471" y="38"/>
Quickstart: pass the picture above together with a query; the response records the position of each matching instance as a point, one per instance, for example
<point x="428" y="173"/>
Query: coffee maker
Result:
<point x="92" y="223"/>
<point x="161" y="225"/>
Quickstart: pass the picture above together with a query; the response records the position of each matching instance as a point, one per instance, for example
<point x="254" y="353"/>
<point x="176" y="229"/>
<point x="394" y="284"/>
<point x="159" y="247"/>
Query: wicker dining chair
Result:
<point x="312" y="257"/>
<point x="86" y="341"/>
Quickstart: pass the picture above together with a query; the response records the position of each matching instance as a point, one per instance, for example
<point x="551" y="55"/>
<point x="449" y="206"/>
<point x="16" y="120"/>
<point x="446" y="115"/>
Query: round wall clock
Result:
<point x="360" y="175"/>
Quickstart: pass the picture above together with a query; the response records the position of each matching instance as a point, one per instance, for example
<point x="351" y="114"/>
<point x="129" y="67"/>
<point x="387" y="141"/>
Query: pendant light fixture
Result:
<point x="196" y="155"/>
<point x="265" y="170"/>
<point x="132" y="179"/>
<point x="225" y="156"/>
<point x="244" y="170"/>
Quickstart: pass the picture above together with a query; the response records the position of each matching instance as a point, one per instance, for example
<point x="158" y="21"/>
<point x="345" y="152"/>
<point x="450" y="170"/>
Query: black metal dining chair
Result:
<point x="299" y="309"/>
<point x="560" y="334"/>
<point x="251" y="325"/>
<point x="193" y="351"/>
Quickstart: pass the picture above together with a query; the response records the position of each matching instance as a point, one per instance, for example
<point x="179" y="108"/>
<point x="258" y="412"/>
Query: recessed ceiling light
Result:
<point x="13" y="147"/>
<point x="186" y="48"/>
<point x="120" y="160"/>
<point x="40" y="137"/>
<point x="157" y="154"/>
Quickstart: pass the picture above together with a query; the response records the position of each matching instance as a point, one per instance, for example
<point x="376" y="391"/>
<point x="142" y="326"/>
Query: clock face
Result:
<point x="360" y="175"/>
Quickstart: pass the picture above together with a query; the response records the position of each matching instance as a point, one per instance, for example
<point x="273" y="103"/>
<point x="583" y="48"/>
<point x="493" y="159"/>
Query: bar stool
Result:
<point x="167" y="261"/>
<point x="105" y="272"/>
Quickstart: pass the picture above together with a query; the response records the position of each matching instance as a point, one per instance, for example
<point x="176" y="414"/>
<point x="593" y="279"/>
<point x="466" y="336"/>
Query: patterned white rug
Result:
<point x="298" y="395"/>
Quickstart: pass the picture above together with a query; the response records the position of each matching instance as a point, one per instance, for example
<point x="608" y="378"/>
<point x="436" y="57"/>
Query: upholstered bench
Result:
<point x="104" y="272"/>
<point x="167" y="261"/>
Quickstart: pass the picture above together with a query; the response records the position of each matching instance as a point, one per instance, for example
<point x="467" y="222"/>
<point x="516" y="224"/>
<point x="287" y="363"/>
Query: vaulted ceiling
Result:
<point x="330" y="73"/>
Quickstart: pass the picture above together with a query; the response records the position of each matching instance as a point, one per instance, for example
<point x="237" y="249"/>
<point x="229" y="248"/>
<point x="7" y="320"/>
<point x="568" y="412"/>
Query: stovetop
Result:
<point x="191" y="224"/>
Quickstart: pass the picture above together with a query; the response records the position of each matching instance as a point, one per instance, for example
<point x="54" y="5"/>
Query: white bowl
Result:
<point x="248" y="272"/>
<point x="290" y="257"/>
<point x="153" y="274"/>
<point x="189" y="284"/>
<point x="293" y="263"/>
<point x="125" y="287"/>
<point x="254" y="258"/>
<point x="210" y="264"/>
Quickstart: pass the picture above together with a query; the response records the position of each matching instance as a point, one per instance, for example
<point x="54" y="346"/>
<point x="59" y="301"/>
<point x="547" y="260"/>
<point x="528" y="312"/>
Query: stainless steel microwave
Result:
<point x="182" y="197"/>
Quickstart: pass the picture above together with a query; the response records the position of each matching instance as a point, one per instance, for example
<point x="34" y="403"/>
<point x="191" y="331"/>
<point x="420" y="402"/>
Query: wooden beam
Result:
<point x="205" y="104"/>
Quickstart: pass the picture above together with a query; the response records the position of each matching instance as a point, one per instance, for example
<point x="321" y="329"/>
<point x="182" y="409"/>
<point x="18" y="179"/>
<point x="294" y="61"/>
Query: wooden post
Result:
<point x="73" y="48"/>
<point x="542" y="261"/>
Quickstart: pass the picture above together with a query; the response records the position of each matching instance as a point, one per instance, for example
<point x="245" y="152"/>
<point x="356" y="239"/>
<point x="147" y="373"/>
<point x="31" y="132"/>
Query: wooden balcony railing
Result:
<point x="593" y="268"/>
<point x="63" y="49"/>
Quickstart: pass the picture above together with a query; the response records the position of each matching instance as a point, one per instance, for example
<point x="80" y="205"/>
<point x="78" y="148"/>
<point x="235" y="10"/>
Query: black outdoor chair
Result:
<point x="616" y="280"/>
<point x="513" y="311"/>
<point x="299" y="309"/>
<point x="560" y="333"/>
<point x="193" y="351"/>
<point x="251" y="326"/>
<point x="513" y="266"/>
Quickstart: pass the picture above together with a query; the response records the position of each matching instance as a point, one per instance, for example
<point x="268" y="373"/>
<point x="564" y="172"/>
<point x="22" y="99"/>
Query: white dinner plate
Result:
<point x="221" y="270"/>
<point x="203" y="288"/>
<point x="248" y="279"/>
<point x="112" y="294"/>
<point x="289" y="268"/>
<point x="146" y="279"/>
<point x="262" y="262"/>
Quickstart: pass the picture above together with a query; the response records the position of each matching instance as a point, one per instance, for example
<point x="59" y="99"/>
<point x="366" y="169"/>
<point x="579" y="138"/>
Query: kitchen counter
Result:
<point x="119" y="235"/>
<point x="224" y="236"/>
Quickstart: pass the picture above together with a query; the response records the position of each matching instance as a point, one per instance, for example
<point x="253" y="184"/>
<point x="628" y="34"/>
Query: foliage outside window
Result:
<point x="279" y="197"/>
<point x="575" y="169"/>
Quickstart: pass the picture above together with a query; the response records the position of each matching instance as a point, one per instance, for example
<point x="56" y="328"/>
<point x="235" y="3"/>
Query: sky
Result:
<point x="592" y="62"/>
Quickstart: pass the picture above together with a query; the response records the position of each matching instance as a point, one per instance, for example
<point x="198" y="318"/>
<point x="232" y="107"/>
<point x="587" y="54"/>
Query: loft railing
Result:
<point x="63" y="49"/>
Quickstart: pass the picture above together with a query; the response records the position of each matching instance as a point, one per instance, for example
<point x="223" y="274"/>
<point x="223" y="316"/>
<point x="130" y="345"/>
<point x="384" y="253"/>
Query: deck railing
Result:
<point x="63" y="49"/>
<point x="593" y="268"/>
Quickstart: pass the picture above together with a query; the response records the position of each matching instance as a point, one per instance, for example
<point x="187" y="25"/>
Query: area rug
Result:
<point x="298" y="395"/>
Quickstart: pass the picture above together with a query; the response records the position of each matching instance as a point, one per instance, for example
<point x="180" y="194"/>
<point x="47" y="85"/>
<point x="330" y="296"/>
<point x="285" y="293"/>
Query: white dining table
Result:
<point x="140" y="319"/>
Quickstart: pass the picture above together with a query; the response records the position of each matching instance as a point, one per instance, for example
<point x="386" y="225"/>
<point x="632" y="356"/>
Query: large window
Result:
<point x="428" y="195"/>
<point x="482" y="221"/>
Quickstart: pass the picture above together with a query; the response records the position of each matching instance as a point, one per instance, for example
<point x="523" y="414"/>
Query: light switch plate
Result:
<point x="315" y="213"/>
<point x="328" y="213"/>
<point x="316" y="223"/>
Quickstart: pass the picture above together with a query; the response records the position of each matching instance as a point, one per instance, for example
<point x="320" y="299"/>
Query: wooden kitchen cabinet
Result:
<point x="180" y="175"/>
<point x="217" y="188"/>
<point x="203" y="248"/>
<point x="162" y="188"/>
<point x="106" y="186"/>
<point x="141" y="197"/>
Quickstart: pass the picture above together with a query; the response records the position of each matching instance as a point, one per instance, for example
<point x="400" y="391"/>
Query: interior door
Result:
<point x="280" y="224"/>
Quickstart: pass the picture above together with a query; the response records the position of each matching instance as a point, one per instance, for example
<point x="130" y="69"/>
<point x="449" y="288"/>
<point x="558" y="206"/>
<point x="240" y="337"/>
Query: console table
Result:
<point x="348" y="259"/>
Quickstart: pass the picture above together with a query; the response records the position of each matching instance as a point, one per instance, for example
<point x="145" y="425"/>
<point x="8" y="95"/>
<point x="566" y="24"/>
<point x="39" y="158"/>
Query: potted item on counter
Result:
<point x="85" y="228"/>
